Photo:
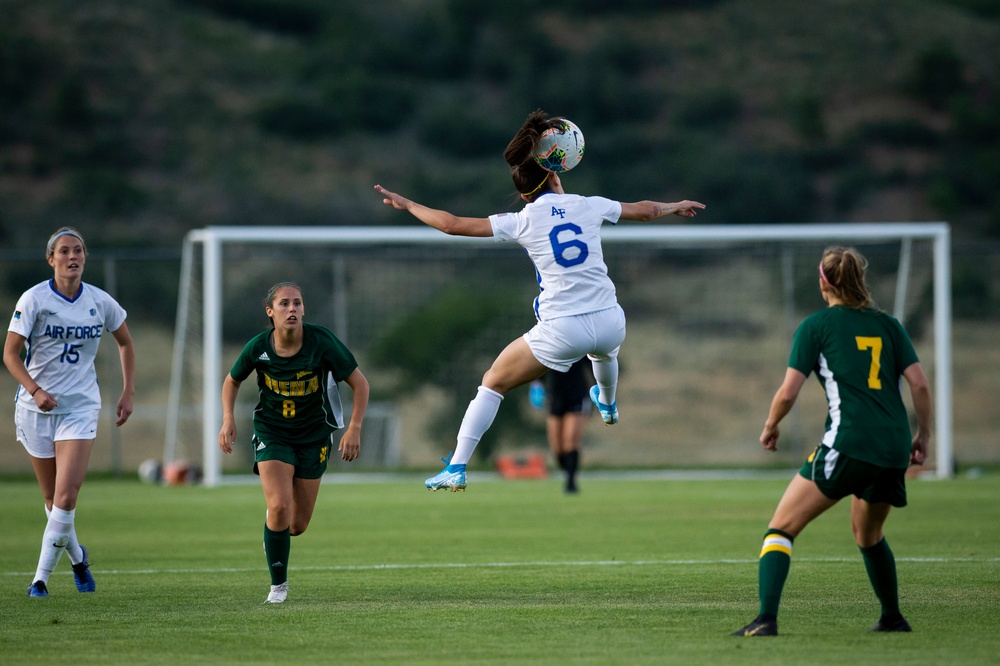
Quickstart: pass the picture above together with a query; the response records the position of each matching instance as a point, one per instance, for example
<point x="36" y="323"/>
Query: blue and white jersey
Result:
<point x="62" y="336"/>
<point x="562" y="235"/>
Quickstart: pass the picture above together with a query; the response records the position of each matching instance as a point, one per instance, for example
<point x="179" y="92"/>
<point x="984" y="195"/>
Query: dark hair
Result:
<point x="269" y="299"/>
<point x="528" y="176"/>
<point x="843" y="269"/>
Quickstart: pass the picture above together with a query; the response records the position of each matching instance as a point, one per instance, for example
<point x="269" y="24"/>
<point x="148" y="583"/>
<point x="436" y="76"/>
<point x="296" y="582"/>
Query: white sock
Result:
<point x="73" y="545"/>
<point x="54" y="541"/>
<point x="606" y="374"/>
<point x="478" y="419"/>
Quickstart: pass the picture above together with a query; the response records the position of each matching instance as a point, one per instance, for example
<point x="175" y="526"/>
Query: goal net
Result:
<point x="711" y="311"/>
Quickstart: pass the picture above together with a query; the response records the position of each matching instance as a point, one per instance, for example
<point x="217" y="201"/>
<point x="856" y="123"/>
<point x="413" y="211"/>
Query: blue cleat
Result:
<point x="608" y="414"/>
<point x="81" y="574"/>
<point x="451" y="477"/>
<point x="37" y="589"/>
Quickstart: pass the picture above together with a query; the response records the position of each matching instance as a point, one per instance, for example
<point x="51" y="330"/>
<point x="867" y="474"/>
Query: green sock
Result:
<point x="276" y="548"/>
<point x="772" y="570"/>
<point x="881" y="567"/>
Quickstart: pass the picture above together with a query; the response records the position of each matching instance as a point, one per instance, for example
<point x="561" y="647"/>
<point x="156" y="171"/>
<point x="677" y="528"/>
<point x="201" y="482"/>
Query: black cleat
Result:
<point x="898" y="625"/>
<point x="758" y="627"/>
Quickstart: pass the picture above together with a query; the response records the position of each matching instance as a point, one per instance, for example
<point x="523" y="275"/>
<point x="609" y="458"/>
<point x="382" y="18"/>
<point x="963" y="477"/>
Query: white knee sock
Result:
<point x="54" y="541"/>
<point x="478" y="419"/>
<point x="73" y="545"/>
<point x="606" y="374"/>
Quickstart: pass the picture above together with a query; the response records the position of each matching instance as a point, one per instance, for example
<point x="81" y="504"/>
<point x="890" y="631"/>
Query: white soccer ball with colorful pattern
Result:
<point x="560" y="148"/>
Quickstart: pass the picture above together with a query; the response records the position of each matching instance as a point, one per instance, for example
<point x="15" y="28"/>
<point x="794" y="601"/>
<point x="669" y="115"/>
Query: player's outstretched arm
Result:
<point x="644" y="211"/>
<point x="441" y="220"/>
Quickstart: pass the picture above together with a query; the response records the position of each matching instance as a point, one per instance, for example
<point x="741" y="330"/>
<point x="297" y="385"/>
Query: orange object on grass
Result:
<point x="531" y="466"/>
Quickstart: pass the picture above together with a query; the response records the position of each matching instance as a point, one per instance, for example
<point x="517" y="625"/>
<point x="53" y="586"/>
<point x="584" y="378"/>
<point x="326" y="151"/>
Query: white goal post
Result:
<point x="213" y="239"/>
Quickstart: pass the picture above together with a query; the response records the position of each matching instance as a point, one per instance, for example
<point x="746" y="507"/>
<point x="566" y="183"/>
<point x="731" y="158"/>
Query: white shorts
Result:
<point x="559" y="343"/>
<point x="39" y="432"/>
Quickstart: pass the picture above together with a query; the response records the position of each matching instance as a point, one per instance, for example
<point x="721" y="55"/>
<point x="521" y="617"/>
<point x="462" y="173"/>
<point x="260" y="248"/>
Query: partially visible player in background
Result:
<point x="569" y="406"/>
<point x="577" y="308"/>
<point x="298" y="366"/>
<point x="58" y="402"/>
<point x="859" y="354"/>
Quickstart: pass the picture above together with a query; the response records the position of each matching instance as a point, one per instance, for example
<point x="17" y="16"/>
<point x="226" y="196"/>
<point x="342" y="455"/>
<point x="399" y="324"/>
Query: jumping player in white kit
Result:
<point x="576" y="308"/>
<point x="62" y="321"/>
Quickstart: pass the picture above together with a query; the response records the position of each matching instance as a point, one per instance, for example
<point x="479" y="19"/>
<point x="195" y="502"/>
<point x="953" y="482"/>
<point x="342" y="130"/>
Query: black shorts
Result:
<point x="838" y="476"/>
<point x="561" y="405"/>
<point x="569" y="392"/>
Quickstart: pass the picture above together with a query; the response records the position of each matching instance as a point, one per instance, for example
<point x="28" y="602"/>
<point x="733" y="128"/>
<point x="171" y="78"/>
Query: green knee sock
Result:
<point x="276" y="548"/>
<point x="881" y="567"/>
<point x="772" y="570"/>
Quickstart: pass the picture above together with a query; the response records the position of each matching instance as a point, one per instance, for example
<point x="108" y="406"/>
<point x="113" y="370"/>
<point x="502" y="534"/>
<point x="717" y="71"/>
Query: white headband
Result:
<point x="52" y="241"/>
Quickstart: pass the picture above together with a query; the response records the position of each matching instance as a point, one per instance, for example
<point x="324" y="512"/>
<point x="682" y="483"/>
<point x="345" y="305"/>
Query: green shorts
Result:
<point x="309" y="460"/>
<point x="838" y="476"/>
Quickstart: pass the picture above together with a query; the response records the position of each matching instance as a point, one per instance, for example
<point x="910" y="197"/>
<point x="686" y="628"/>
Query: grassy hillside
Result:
<point x="140" y="120"/>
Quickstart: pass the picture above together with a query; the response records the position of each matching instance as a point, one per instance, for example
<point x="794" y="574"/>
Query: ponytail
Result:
<point x="842" y="269"/>
<point x="529" y="178"/>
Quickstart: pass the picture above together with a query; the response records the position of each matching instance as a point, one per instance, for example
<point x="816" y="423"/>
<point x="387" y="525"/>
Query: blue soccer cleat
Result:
<point x="81" y="574"/>
<point x="451" y="477"/>
<point x="608" y="414"/>
<point x="37" y="589"/>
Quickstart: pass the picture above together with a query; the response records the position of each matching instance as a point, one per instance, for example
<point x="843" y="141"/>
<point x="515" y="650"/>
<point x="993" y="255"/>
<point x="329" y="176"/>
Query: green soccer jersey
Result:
<point x="859" y="357"/>
<point x="298" y="397"/>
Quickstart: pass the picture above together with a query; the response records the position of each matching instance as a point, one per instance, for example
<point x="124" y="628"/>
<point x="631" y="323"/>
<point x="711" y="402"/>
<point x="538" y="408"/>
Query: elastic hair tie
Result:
<point x="528" y="194"/>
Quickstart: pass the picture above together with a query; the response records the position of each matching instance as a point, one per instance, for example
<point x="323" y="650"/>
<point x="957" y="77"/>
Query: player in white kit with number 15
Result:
<point x="576" y="308"/>
<point x="62" y="321"/>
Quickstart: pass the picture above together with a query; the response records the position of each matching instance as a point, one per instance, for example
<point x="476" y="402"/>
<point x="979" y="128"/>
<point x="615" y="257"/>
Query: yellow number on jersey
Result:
<point x="288" y="409"/>
<point x="875" y="344"/>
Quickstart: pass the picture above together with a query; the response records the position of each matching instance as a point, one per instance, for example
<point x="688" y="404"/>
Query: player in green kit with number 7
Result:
<point x="298" y="366"/>
<point x="859" y="354"/>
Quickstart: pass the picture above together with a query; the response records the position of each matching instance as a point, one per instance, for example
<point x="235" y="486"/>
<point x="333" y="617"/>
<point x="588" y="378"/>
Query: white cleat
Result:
<point x="278" y="594"/>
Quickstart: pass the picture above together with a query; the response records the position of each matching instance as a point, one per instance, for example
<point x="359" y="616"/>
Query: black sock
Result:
<point x="572" y="463"/>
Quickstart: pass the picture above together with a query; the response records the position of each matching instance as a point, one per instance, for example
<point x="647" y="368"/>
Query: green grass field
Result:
<point x="636" y="572"/>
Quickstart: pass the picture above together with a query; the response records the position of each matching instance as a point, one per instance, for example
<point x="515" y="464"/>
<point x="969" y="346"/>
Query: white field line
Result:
<point x="510" y="565"/>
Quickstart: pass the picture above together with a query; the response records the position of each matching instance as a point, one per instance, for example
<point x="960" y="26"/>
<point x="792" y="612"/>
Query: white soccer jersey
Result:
<point x="62" y="337"/>
<point x="562" y="235"/>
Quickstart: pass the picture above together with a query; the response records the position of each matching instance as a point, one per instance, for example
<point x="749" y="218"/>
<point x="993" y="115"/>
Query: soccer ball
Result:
<point x="151" y="471"/>
<point x="560" y="148"/>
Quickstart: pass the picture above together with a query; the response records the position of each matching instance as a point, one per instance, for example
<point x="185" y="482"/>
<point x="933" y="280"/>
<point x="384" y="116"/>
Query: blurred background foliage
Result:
<point x="145" y="119"/>
<point x="157" y="116"/>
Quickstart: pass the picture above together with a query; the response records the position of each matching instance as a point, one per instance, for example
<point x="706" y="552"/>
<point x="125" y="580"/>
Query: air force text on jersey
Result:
<point x="73" y="332"/>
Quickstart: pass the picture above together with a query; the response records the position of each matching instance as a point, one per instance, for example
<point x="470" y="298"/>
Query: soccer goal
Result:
<point x="711" y="311"/>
